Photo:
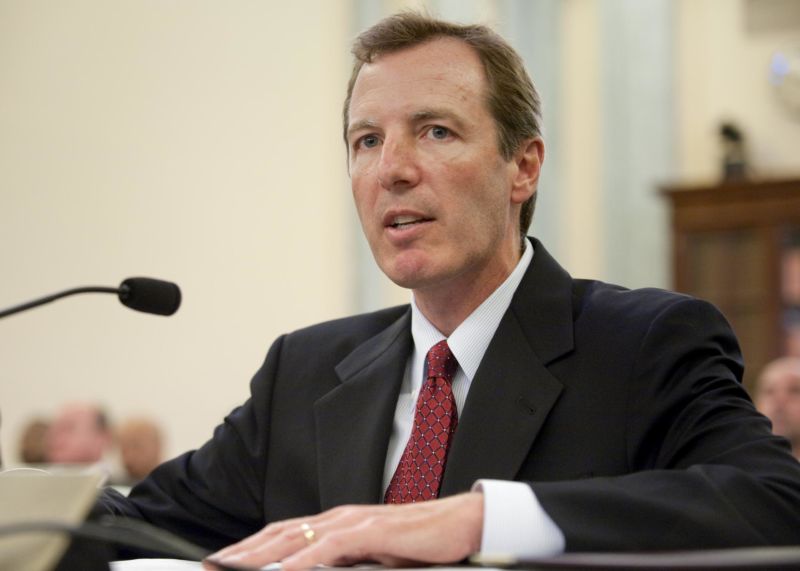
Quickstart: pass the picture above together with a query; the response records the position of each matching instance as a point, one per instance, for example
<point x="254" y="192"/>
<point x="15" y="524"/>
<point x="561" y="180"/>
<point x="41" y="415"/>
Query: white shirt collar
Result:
<point x="470" y="340"/>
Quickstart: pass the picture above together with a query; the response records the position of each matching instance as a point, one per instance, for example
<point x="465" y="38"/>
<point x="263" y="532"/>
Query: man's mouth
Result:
<point x="407" y="221"/>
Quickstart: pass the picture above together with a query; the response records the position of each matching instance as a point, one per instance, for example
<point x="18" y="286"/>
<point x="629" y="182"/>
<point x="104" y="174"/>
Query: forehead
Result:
<point x="443" y="71"/>
<point x="76" y="414"/>
<point x="782" y="376"/>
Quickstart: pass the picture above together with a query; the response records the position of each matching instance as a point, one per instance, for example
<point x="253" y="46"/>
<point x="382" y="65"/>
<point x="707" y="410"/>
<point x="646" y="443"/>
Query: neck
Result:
<point x="447" y="305"/>
<point x="447" y="309"/>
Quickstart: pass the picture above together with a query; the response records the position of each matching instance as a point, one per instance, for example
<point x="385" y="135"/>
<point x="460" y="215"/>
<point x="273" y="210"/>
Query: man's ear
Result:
<point x="528" y="161"/>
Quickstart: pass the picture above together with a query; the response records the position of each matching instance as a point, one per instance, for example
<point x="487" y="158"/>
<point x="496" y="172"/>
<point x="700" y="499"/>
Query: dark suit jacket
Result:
<point x="623" y="409"/>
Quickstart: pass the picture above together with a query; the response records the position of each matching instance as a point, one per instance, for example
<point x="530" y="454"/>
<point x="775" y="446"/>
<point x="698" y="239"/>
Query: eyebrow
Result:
<point x="359" y="125"/>
<point x="434" y="113"/>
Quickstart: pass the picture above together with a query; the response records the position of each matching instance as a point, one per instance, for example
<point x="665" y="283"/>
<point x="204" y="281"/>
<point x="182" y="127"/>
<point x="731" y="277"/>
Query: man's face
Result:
<point x="75" y="437"/>
<point x="778" y="398"/>
<point x="438" y="203"/>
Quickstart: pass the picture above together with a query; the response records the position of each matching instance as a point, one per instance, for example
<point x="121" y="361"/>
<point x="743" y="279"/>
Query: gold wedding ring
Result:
<point x="308" y="533"/>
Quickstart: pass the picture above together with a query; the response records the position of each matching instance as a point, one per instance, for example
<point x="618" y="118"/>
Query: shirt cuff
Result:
<point x="514" y="522"/>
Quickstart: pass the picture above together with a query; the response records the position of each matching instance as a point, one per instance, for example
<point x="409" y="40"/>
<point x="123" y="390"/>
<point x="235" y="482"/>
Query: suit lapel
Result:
<point x="513" y="392"/>
<point x="354" y="421"/>
<point x="509" y="400"/>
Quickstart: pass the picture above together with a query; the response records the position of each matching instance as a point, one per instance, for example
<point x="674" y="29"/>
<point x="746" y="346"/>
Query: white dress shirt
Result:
<point x="533" y="532"/>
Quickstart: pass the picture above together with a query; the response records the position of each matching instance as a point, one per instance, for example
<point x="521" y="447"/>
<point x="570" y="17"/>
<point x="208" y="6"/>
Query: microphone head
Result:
<point x="150" y="295"/>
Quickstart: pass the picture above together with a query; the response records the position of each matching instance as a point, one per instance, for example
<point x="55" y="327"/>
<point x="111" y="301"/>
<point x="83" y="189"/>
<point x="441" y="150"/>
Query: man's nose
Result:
<point x="398" y="168"/>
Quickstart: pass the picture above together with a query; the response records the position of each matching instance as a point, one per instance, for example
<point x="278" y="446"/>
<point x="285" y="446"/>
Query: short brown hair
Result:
<point x="512" y="99"/>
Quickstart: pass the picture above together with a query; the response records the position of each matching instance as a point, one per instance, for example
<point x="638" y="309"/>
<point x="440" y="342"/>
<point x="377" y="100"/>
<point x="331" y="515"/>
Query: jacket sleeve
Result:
<point x="212" y="496"/>
<point x="705" y="470"/>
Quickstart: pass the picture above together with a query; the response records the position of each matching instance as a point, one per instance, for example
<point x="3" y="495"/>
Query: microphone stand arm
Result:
<point x="55" y="296"/>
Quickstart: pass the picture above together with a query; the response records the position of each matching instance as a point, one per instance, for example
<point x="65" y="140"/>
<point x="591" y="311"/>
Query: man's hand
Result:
<point x="436" y="531"/>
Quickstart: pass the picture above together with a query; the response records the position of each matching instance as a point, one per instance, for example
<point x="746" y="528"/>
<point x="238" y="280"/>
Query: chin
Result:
<point x="417" y="280"/>
<point x="405" y="280"/>
<point x="409" y="279"/>
<point x="407" y="271"/>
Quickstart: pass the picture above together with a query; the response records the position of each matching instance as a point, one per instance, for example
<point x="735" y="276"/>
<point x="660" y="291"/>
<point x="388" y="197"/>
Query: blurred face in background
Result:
<point x="77" y="435"/>
<point x="778" y="398"/>
<point x="139" y="443"/>
<point x="33" y="443"/>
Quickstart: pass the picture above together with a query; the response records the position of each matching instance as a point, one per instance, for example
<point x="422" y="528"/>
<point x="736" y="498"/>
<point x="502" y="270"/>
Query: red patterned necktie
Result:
<point x="421" y="467"/>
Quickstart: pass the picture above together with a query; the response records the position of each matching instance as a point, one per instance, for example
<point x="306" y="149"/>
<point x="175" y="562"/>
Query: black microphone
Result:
<point x="150" y="295"/>
<point x="142" y="294"/>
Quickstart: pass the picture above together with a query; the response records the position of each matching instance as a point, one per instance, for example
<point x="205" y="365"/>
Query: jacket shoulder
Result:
<point x="603" y="300"/>
<point x="341" y="336"/>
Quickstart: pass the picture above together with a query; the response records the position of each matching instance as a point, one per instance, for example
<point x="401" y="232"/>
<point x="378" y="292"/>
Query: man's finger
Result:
<point x="267" y="536"/>
<point x="278" y="541"/>
<point x="344" y="545"/>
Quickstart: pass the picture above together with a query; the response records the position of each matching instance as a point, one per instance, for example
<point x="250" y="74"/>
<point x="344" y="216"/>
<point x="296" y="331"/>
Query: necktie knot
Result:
<point x="441" y="362"/>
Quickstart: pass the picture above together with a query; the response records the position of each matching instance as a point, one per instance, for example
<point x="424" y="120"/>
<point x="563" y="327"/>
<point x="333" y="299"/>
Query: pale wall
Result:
<point x="193" y="141"/>
<point x="199" y="142"/>
<point x="722" y="73"/>
<point x="579" y="125"/>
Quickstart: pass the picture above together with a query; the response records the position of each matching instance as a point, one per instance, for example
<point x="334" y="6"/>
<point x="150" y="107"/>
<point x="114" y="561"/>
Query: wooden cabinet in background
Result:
<point x="738" y="246"/>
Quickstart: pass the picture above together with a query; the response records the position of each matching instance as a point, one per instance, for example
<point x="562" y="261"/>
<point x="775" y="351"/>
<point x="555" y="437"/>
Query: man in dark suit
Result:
<point x="555" y="413"/>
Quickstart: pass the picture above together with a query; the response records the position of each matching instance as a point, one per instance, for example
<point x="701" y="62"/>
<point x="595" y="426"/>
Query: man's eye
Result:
<point x="438" y="132"/>
<point x="368" y="141"/>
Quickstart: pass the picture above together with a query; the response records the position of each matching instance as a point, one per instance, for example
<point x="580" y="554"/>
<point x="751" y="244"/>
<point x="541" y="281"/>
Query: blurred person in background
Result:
<point x="140" y="445"/>
<point x="778" y="398"/>
<point x="33" y="441"/>
<point x="79" y="434"/>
